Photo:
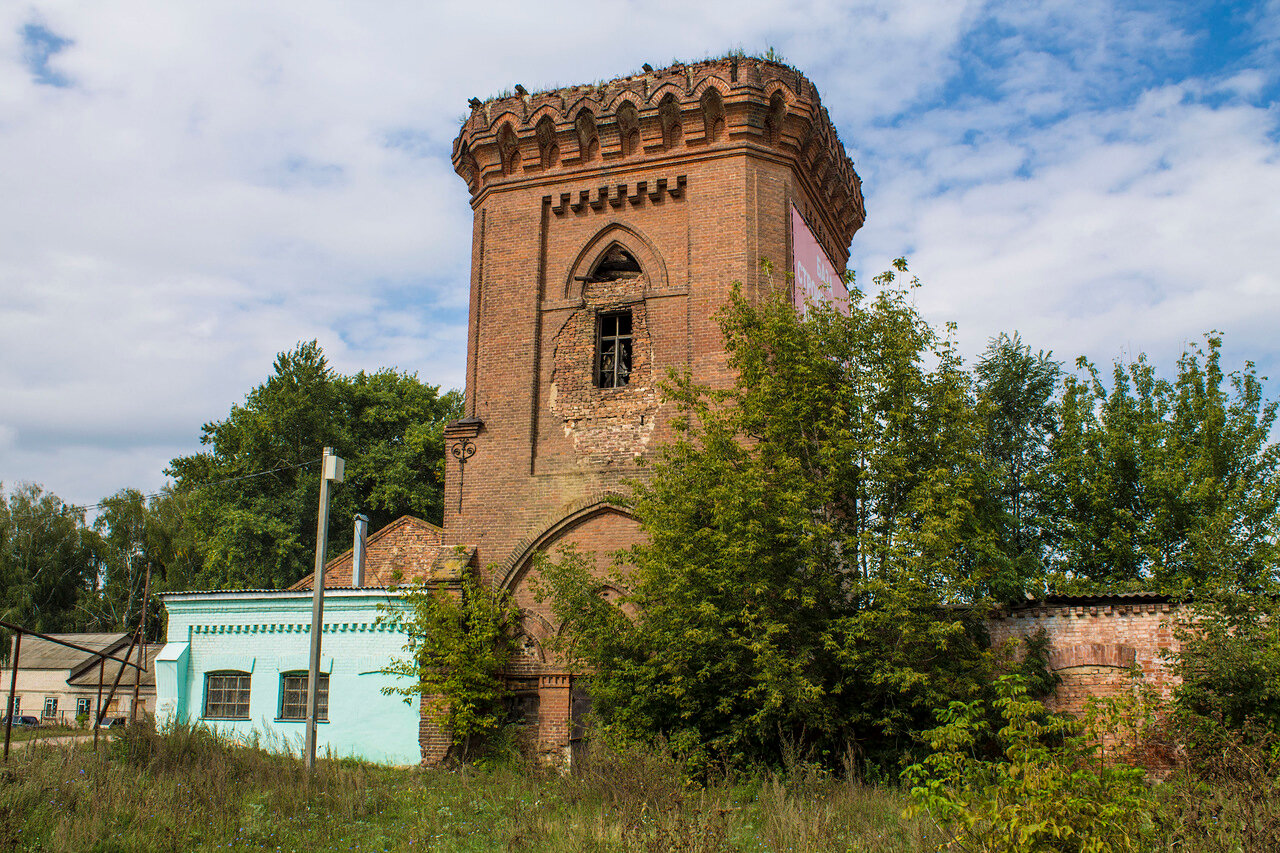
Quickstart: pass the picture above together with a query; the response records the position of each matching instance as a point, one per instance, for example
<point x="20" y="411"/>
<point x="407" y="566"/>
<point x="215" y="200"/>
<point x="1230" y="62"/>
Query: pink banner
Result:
<point x="816" y="279"/>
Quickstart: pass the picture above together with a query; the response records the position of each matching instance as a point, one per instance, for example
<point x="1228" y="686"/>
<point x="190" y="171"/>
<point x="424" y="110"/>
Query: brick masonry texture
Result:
<point x="692" y="170"/>
<point x="402" y="552"/>
<point x="1093" y="645"/>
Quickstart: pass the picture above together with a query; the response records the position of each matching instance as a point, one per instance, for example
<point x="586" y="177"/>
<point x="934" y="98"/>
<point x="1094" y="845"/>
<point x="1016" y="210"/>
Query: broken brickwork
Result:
<point x="644" y="198"/>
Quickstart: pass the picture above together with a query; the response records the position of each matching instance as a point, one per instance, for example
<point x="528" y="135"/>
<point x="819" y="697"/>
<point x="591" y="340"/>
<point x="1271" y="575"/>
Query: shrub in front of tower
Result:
<point x="809" y="531"/>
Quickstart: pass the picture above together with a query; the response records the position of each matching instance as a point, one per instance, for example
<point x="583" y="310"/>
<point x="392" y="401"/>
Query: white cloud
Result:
<point x="222" y="180"/>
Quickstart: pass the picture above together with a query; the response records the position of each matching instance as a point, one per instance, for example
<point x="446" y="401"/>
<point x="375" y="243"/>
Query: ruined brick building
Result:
<point x="611" y="222"/>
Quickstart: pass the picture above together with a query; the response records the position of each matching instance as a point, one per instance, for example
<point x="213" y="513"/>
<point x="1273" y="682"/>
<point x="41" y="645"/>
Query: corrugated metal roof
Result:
<point x="42" y="654"/>
<point x="88" y="675"/>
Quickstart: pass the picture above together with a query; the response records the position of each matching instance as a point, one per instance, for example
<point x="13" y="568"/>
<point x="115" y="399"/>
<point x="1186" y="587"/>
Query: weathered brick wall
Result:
<point x="692" y="170"/>
<point x="401" y="552"/>
<point x="1094" y="644"/>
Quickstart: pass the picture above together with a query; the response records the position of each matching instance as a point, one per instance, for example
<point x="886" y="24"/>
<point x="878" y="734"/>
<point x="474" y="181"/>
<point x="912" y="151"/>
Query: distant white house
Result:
<point x="57" y="683"/>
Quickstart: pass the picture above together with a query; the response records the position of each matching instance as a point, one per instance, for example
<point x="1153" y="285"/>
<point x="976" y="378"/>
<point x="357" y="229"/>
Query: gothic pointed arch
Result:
<point x="628" y="128"/>
<point x="712" y="114"/>
<point x="518" y="562"/>
<point x="548" y="148"/>
<point x="588" y="137"/>
<point x="669" y="118"/>
<point x="623" y="237"/>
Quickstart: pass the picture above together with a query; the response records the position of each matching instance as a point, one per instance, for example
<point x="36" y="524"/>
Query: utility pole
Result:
<point x="331" y="468"/>
<point x="142" y="653"/>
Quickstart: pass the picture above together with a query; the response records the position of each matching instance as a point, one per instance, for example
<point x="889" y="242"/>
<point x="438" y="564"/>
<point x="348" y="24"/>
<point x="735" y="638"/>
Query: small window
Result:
<point x="293" y="696"/>
<point x="82" y="706"/>
<point x="613" y="350"/>
<point x="17" y="705"/>
<point x="50" y="708"/>
<point x="226" y="695"/>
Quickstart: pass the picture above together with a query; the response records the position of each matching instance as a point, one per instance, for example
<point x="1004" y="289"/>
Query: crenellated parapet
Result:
<point x="711" y="107"/>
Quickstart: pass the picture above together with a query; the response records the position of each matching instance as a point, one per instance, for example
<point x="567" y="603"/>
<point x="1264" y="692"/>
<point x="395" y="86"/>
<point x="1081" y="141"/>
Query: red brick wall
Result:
<point x="1093" y="646"/>
<point x="552" y="190"/>
<point x="401" y="552"/>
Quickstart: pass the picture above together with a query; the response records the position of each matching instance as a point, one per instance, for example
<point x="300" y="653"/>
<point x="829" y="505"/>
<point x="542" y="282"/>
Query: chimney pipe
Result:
<point x="357" y="551"/>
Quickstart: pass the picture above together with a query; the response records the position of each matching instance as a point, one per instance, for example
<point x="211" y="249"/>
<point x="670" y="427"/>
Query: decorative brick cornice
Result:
<point x="683" y="111"/>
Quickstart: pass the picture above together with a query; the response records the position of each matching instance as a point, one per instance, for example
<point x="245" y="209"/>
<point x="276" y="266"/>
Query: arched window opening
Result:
<point x="614" y="264"/>
<point x="712" y="114"/>
<point x="226" y="696"/>
<point x="629" y="128"/>
<point x="773" y="120"/>
<point x="508" y="150"/>
<point x="669" y="116"/>
<point x="588" y="139"/>
<point x="548" y="150"/>
<point x="293" y="696"/>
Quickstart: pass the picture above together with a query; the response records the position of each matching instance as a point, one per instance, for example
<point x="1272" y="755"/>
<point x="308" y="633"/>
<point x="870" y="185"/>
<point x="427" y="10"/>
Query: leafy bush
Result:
<point x="1052" y="786"/>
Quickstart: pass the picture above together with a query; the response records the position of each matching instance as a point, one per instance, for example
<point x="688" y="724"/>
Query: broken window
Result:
<point x="615" y="264"/>
<point x="226" y="695"/>
<point x="293" y="696"/>
<point x="613" y="349"/>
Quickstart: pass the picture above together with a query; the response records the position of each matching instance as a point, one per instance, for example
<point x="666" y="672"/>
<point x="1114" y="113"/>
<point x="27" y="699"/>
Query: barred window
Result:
<point x="226" y="695"/>
<point x="293" y="696"/>
<point x="613" y="349"/>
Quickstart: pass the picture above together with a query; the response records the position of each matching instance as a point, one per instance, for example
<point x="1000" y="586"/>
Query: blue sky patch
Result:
<point x="38" y="45"/>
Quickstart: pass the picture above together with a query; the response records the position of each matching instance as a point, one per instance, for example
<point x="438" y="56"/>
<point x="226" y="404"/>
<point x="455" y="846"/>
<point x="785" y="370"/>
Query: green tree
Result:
<point x="257" y="530"/>
<point x="48" y="562"/>
<point x="804" y="530"/>
<point x="1017" y="402"/>
<point x="459" y="643"/>
<point x="1172" y="486"/>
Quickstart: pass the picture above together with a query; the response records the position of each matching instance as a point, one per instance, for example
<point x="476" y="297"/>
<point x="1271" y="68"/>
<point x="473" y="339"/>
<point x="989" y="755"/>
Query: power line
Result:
<point x="74" y="508"/>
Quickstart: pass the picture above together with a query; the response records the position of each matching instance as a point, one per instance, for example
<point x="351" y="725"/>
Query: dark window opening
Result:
<point x="293" y="696"/>
<point x="613" y="350"/>
<point x="521" y="708"/>
<point x="617" y="263"/>
<point x="82" y="706"/>
<point x="50" y="708"/>
<point x="226" y="695"/>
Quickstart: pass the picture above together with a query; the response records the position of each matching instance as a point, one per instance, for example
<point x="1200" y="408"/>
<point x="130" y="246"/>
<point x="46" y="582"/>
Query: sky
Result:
<point x="187" y="189"/>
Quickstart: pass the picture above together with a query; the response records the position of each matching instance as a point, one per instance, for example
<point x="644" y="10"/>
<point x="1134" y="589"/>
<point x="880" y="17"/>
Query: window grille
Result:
<point x="226" y="695"/>
<point x="293" y="696"/>
<point x="613" y="349"/>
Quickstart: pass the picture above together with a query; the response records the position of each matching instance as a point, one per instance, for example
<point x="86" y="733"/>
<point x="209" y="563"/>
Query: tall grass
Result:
<point x="188" y="789"/>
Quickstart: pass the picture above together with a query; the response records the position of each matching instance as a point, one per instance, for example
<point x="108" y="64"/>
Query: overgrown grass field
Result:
<point x="187" y="790"/>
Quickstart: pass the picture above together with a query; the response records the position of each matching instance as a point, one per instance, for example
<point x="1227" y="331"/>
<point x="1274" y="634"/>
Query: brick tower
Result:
<point x="610" y="224"/>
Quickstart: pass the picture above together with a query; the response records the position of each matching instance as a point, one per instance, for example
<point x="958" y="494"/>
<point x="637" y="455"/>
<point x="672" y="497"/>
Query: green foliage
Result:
<point x="1016" y="402"/>
<point x="48" y="561"/>
<point x="1051" y="788"/>
<point x="1229" y="663"/>
<point x="460" y="642"/>
<point x="1172" y="486"/>
<point x="259" y="531"/>
<point x="804" y="530"/>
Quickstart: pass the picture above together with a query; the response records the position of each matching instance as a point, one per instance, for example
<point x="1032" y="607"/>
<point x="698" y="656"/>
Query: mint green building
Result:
<point x="237" y="662"/>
